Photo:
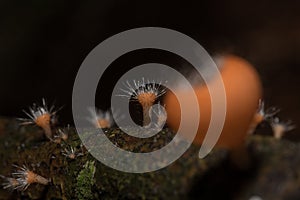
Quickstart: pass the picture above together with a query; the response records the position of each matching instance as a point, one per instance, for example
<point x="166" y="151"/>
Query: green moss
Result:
<point x="85" y="181"/>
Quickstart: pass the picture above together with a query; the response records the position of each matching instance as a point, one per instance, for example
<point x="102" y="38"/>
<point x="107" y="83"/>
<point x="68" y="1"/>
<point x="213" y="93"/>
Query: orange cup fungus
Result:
<point x="243" y="91"/>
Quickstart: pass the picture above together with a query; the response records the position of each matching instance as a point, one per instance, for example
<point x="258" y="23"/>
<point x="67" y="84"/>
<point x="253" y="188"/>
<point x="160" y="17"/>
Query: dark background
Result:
<point x="43" y="43"/>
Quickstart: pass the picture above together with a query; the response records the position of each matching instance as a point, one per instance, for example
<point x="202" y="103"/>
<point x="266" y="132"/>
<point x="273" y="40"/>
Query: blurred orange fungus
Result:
<point x="243" y="91"/>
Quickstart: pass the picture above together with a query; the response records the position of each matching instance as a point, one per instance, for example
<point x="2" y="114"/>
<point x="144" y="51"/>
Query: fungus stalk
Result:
<point x="261" y="115"/>
<point x="42" y="117"/>
<point x="100" y="118"/>
<point x="145" y="94"/>
<point x="280" y="128"/>
<point x="146" y="100"/>
<point x="25" y="177"/>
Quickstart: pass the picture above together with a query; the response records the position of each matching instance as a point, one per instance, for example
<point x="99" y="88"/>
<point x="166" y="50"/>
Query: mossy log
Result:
<point x="86" y="178"/>
<point x="274" y="173"/>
